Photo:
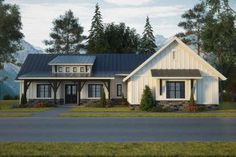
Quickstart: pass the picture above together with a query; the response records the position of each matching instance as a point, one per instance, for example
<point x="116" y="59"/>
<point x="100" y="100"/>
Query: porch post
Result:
<point x="55" y="85"/>
<point x="109" y="95"/>
<point x="78" y="91"/>
<point x="26" y="86"/>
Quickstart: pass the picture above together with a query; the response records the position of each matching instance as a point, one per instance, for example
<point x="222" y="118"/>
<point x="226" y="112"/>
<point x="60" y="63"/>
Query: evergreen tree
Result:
<point x="10" y="32"/>
<point x="120" y="39"/>
<point x="192" y="24"/>
<point x="66" y="35"/>
<point x="147" y="43"/>
<point x="147" y="101"/>
<point x="95" y="38"/>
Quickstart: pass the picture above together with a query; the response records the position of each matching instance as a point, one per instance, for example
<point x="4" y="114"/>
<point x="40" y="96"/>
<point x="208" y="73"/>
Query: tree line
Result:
<point x="67" y="36"/>
<point x="209" y="26"/>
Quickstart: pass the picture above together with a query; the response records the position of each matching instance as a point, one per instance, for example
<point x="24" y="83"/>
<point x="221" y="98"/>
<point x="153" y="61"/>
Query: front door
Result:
<point x="70" y="94"/>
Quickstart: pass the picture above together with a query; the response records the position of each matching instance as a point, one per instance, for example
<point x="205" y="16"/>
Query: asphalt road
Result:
<point x="49" y="129"/>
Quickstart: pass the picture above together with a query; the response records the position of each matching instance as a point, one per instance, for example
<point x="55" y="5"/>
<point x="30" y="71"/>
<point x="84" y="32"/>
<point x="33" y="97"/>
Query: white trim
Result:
<point x="164" y="47"/>
<point x="65" y="78"/>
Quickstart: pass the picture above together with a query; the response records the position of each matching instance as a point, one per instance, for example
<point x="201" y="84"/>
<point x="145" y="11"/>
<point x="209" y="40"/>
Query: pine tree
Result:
<point x="147" y="101"/>
<point x="10" y="32"/>
<point x="66" y="35"/>
<point x="148" y="40"/>
<point x="95" y="38"/>
<point x="193" y="24"/>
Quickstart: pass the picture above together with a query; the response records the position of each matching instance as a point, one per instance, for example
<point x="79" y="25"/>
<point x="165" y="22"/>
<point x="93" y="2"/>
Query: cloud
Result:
<point x="128" y="2"/>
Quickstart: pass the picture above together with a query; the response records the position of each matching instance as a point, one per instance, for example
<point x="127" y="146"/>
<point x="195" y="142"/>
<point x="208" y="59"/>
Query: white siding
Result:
<point x="207" y="87"/>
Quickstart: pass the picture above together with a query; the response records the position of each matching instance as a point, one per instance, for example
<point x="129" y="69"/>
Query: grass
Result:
<point x="25" y="110"/>
<point x="97" y="109"/>
<point x="119" y="149"/>
<point x="146" y="114"/>
<point x="15" y="115"/>
<point x="5" y="104"/>
<point x="227" y="106"/>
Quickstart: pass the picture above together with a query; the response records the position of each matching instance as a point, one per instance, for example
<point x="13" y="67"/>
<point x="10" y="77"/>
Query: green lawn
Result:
<point x="119" y="149"/>
<point x="146" y="114"/>
<point x="97" y="109"/>
<point x="24" y="110"/>
<point x="15" y="115"/>
<point x="227" y="106"/>
<point x="5" y="104"/>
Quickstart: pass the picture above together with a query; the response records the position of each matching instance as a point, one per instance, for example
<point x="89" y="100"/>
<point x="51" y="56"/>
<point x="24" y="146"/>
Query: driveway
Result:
<point x="48" y="129"/>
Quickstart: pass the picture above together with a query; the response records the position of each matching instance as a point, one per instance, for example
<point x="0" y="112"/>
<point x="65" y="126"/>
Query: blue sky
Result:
<point x="37" y="15"/>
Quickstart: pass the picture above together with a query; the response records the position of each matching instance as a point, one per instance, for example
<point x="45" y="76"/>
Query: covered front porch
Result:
<point x="66" y="91"/>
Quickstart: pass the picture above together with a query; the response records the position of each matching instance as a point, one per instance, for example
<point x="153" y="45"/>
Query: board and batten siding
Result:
<point x="206" y="89"/>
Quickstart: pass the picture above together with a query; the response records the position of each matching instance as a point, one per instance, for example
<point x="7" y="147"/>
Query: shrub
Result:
<point x="147" y="101"/>
<point x="124" y="101"/>
<point x="23" y="100"/>
<point x="103" y="98"/>
<point x="7" y="97"/>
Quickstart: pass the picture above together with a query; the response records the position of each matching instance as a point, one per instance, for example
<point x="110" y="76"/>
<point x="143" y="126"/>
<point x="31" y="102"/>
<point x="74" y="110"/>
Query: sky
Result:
<point x="37" y="15"/>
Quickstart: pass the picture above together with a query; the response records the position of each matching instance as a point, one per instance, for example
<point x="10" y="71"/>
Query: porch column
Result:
<point x="78" y="91"/>
<point x="107" y="87"/>
<point x="55" y="85"/>
<point x="26" y="87"/>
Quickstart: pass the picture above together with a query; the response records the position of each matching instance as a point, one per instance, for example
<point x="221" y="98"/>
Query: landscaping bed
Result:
<point x="216" y="149"/>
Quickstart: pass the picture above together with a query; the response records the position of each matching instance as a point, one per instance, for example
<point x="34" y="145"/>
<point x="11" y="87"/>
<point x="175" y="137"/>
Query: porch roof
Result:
<point x="176" y="73"/>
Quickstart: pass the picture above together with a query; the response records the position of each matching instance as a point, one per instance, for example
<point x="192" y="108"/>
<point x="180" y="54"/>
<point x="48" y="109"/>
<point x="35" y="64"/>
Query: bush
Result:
<point x="7" y="97"/>
<point x="103" y="98"/>
<point x="23" y="100"/>
<point x="147" y="101"/>
<point x="124" y="101"/>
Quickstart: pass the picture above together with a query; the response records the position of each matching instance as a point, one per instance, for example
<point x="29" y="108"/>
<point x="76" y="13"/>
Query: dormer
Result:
<point x="72" y="64"/>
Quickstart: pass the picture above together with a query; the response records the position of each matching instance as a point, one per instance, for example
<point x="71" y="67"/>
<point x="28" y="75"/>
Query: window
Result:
<point x="94" y="90"/>
<point x="175" y="89"/>
<point x="74" y="69"/>
<point x="119" y="89"/>
<point x="67" y="69"/>
<point x="60" y="69"/>
<point x="43" y="91"/>
<point x="81" y="69"/>
<point x="173" y="54"/>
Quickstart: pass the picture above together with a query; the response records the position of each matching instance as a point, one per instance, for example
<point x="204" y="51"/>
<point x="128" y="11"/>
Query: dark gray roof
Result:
<point x="105" y="65"/>
<point x="72" y="59"/>
<point x="175" y="73"/>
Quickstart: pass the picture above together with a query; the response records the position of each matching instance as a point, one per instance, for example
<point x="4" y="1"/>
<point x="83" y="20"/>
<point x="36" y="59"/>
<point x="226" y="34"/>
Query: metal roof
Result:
<point x="175" y="73"/>
<point x="73" y="60"/>
<point x="105" y="65"/>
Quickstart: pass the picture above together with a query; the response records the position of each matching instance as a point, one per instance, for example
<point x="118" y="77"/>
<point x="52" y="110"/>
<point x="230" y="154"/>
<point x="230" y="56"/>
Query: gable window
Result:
<point x="74" y="69"/>
<point x="43" y="91"/>
<point x="175" y="90"/>
<point x="67" y="69"/>
<point x="119" y="90"/>
<point x="81" y="69"/>
<point x="60" y="69"/>
<point x="94" y="90"/>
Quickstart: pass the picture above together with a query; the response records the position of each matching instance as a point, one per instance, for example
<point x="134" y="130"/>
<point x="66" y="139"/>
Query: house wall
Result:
<point x="32" y="90"/>
<point x="175" y="56"/>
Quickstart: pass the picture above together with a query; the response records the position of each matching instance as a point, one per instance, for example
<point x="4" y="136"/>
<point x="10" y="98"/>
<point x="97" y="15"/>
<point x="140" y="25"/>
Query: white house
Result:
<point x="171" y="73"/>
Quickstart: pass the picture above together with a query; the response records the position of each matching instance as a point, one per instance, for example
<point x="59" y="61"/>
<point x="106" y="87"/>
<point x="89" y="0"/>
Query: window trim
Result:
<point x="117" y="90"/>
<point x="67" y="69"/>
<point x="44" y="96"/>
<point x="175" y="98"/>
<point x="74" y="69"/>
<point x="60" y="69"/>
<point x="95" y="84"/>
<point x="82" y="67"/>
